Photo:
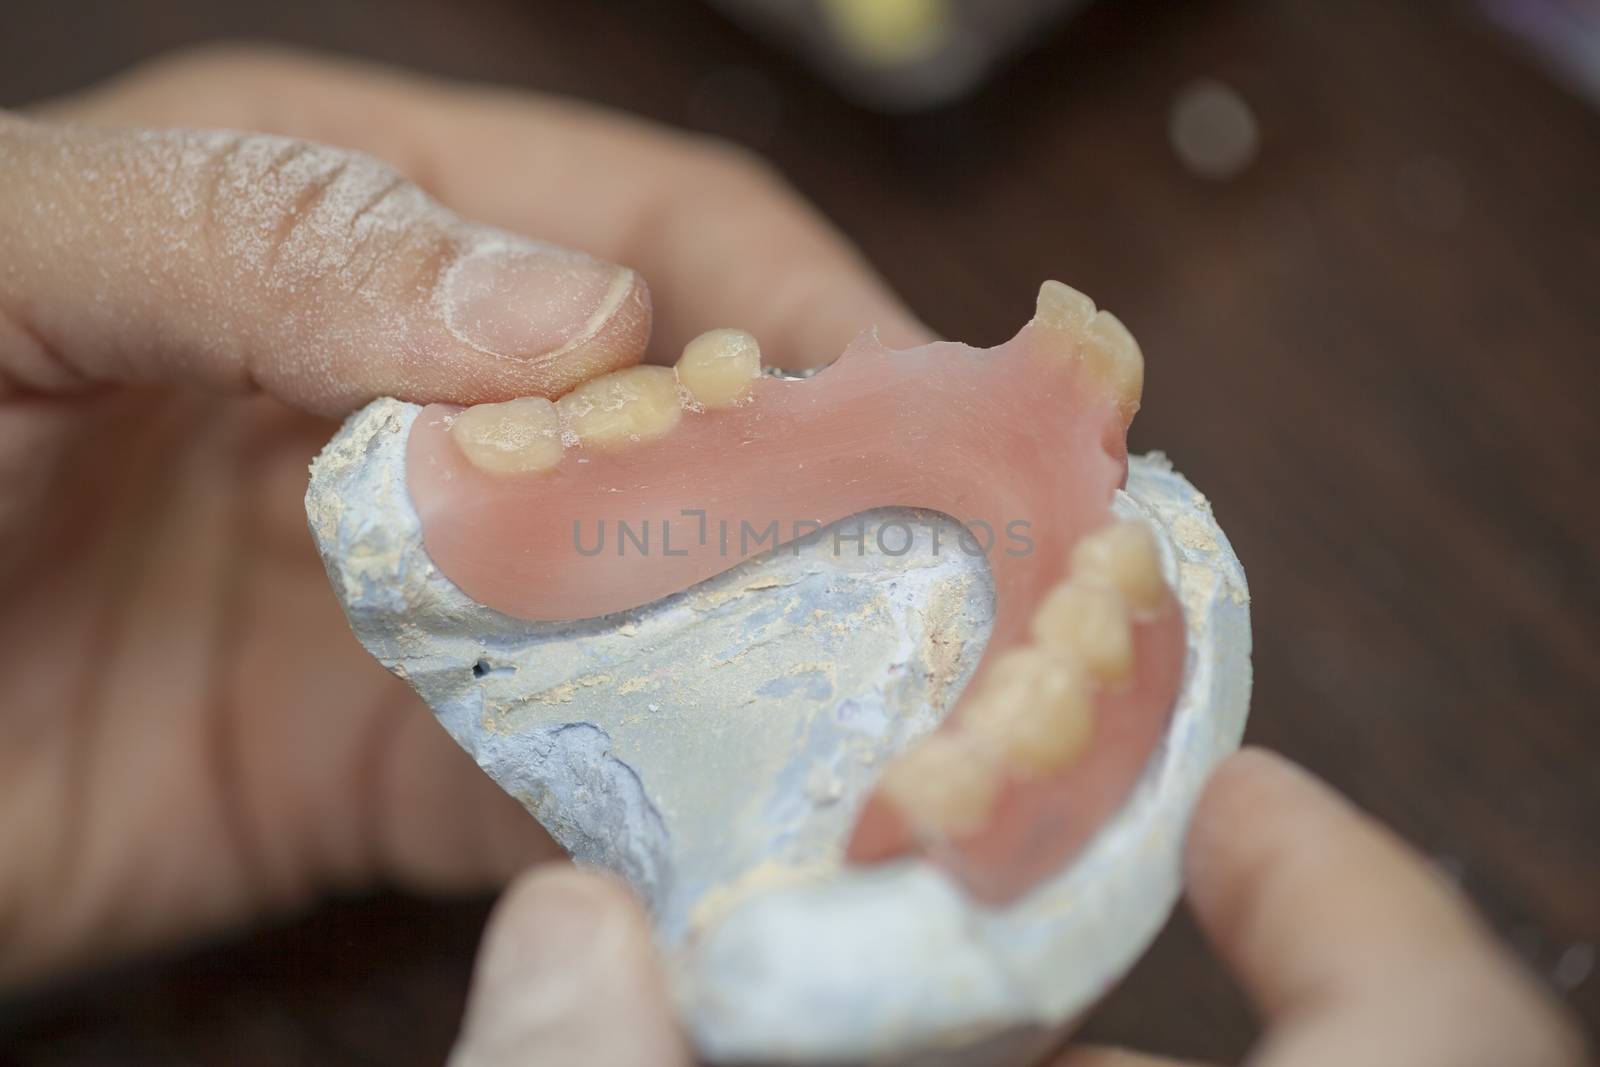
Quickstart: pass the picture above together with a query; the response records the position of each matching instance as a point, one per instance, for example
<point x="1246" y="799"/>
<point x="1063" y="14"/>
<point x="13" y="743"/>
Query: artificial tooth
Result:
<point x="1114" y="356"/>
<point x="719" y="367"/>
<point x="516" y="437"/>
<point x="1089" y="623"/>
<point x="1122" y="556"/>
<point x="1062" y="307"/>
<point x="944" y="786"/>
<point x="1033" y="711"/>
<point x="626" y="406"/>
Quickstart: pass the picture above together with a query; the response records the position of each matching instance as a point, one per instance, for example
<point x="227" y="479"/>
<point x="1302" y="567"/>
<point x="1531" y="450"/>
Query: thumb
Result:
<point x="567" y="975"/>
<point x="321" y="275"/>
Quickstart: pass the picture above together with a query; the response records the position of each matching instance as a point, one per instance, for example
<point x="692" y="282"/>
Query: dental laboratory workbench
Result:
<point x="1360" y="246"/>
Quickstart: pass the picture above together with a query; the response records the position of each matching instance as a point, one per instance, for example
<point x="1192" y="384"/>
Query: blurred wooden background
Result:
<point x="1377" y="349"/>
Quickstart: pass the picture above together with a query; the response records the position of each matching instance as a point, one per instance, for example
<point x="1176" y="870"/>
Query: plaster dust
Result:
<point x="201" y="210"/>
<point x="351" y="261"/>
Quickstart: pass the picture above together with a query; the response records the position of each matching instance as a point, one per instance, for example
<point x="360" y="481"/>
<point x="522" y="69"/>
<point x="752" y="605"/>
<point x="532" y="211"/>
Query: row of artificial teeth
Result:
<point x="717" y="370"/>
<point x="1031" y="715"/>
<point x="616" y="410"/>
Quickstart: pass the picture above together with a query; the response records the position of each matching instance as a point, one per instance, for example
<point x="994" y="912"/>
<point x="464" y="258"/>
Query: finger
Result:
<point x="723" y="241"/>
<point x="319" y="274"/>
<point x="567" y="975"/>
<point x="1355" y="950"/>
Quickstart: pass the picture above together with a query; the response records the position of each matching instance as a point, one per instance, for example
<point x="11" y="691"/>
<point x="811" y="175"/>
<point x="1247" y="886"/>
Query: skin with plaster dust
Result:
<point x="643" y="482"/>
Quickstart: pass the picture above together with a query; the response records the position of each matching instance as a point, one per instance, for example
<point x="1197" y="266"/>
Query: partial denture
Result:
<point x="711" y="463"/>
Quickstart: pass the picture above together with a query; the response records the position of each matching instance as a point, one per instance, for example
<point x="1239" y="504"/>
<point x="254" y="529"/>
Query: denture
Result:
<point x="1025" y="443"/>
<point x="669" y="612"/>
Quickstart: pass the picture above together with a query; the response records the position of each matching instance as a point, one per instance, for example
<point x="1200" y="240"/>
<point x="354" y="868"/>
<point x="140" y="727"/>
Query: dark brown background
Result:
<point x="1377" y="351"/>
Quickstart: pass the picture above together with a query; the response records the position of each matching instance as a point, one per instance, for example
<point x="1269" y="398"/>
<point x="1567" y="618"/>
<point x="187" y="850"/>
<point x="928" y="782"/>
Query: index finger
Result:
<point x="720" y="238"/>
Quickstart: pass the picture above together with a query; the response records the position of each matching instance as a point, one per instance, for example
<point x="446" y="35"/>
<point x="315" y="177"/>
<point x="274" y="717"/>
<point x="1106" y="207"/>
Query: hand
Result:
<point x="1355" y="952"/>
<point x="189" y="735"/>
<point x="1353" y="949"/>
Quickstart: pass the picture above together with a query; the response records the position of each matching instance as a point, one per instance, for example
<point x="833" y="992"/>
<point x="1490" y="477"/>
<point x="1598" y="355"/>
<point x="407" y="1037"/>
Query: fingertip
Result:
<point x="551" y="916"/>
<point x="1264" y="825"/>
<point x="1253" y="771"/>
<point x="1238" y="787"/>
<point x="1307" y="897"/>
<point x="568" y="974"/>
<point x="520" y="318"/>
<point x="1246" y="795"/>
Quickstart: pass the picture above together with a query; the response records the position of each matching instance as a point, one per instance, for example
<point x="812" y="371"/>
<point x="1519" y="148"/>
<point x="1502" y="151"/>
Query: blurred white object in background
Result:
<point x="1213" y="130"/>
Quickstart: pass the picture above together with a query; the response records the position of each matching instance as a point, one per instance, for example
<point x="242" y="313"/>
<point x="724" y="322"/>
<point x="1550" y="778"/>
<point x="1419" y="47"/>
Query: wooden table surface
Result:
<point x="1378" y="350"/>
